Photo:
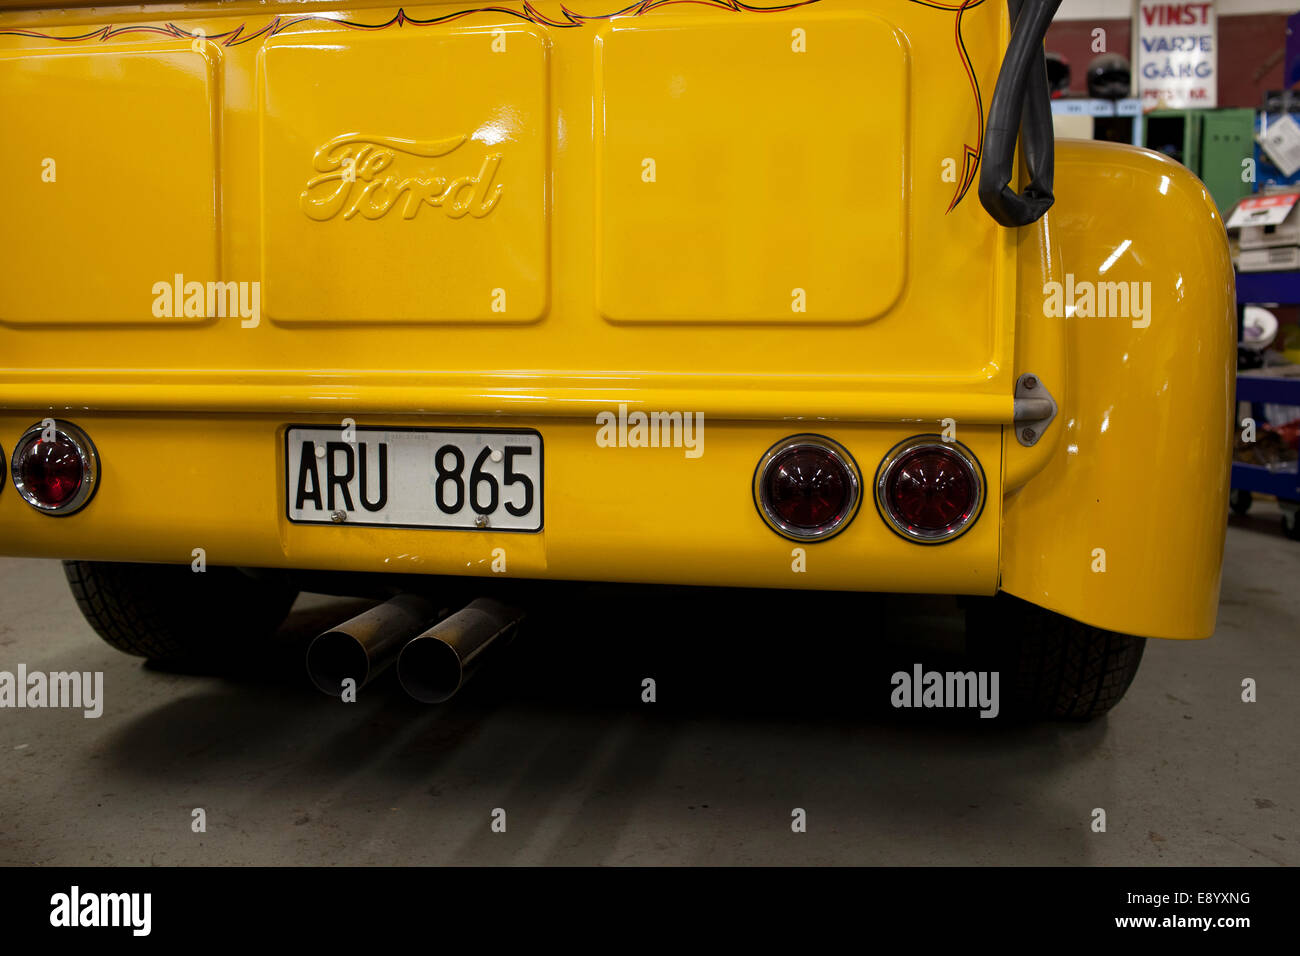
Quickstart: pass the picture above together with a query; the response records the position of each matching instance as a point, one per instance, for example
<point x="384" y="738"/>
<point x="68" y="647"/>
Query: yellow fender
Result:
<point x="1124" y="526"/>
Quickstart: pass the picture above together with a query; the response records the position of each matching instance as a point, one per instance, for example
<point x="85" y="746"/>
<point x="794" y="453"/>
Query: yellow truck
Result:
<point x="799" y="295"/>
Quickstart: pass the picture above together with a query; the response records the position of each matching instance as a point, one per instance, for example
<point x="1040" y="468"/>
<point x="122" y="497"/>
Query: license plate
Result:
<point x="415" y="478"/>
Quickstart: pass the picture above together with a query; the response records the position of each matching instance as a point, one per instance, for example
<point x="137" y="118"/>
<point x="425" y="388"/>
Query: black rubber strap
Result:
<point x="1021" y="104"/>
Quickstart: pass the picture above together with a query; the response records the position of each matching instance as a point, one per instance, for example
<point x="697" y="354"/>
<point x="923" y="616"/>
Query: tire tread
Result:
<point x="1061" y="669"/>
<point x="167" y="612"/>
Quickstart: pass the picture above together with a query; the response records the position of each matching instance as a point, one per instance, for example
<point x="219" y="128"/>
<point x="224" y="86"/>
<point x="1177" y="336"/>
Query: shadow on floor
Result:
<point x="761" y="697"/>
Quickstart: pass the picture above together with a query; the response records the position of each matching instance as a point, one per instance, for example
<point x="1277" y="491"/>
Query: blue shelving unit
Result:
<point x="1276" y="386"/>
<point x="1258" y="287"/>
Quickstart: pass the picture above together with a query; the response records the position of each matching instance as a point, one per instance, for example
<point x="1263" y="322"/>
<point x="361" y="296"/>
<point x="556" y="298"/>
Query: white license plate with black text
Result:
<point x="415" y="478"/>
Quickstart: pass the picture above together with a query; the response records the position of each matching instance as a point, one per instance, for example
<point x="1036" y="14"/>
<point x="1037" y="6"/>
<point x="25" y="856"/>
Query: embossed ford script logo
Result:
<point x="354" y="177"/>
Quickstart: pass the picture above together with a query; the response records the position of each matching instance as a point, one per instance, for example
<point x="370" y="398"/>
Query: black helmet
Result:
<point x="1109" y="77"/>
<point x="1058" y="74"/>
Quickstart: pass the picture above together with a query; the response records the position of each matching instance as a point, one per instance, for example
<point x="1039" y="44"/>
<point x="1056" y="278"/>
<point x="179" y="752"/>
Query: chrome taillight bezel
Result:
<point x="890" y="462"/>
<point x="794" y="532"/>
<point x="86" y="452"/>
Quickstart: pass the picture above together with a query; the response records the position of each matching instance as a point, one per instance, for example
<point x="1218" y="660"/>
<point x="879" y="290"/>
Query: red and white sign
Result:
<point x="1266" y="210"/>
<point x="1177" y="59"/>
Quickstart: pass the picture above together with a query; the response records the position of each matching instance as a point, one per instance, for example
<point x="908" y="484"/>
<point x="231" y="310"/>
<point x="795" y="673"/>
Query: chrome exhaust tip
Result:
<point x="361" y="648"/>
<point x="433" y="666"/>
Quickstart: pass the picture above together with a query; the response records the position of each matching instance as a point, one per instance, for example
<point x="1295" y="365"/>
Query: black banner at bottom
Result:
<point x="641" y="906"/>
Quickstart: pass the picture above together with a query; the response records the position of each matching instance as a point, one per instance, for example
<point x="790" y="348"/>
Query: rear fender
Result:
<point x="1123" y="527"/>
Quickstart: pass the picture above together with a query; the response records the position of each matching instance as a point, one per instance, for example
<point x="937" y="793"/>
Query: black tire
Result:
<point x="171" y="613"/>
<point x="1291" y="525"/>
<point x="1239" y="500"/>
<point x="1052" y="667"/>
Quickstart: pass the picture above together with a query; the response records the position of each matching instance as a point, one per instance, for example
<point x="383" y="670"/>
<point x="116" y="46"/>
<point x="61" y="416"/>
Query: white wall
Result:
<point x="1123" y="9"/>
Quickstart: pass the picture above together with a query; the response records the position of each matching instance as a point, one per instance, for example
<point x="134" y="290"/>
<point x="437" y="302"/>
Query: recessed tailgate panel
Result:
<point x="404" y="176"/>
<point x="109" y="161"/>
<point x="738" y="183"/>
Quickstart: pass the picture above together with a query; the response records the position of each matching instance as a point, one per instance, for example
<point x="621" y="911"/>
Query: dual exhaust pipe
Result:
<point x="433" y="662"/>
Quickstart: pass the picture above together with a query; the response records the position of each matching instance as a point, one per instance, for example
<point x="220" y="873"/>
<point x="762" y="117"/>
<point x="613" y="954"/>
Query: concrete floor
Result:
<point x="745" y="729"/>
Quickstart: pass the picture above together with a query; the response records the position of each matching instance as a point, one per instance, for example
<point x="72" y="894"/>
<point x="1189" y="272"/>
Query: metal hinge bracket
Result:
<point x="1034" y="409"/>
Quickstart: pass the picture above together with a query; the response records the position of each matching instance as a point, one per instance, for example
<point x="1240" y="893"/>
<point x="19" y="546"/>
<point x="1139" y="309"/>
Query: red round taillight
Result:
<point x="807" y="488"/>
<point x="929" y="490"/>
<point x="55" y="468"/>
